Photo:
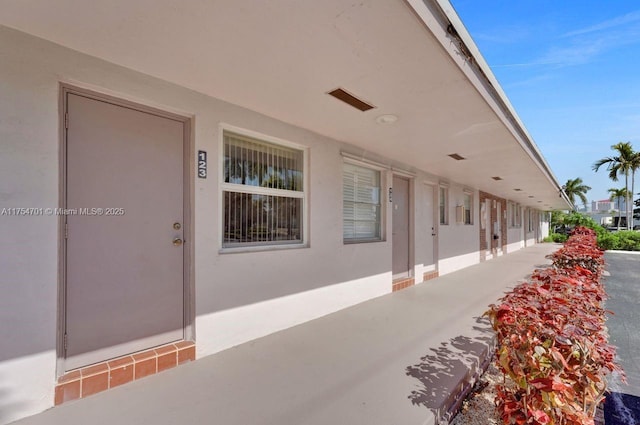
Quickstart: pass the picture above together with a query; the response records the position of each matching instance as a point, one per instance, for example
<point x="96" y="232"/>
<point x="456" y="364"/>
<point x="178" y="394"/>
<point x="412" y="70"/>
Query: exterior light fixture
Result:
<point x="387" y="119"/>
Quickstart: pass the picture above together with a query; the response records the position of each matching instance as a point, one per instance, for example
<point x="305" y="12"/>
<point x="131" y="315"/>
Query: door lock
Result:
<point x="177" y="226"/>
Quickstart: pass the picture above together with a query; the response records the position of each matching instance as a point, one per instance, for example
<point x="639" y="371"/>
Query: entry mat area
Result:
<point x="100" y="377"/>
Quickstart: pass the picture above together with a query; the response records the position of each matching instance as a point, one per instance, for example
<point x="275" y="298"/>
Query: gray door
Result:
<point x="400" y="202"/>
<point x="489" y="227"/>
<point x="430" y="241"/>
<point x="124" y="263"/>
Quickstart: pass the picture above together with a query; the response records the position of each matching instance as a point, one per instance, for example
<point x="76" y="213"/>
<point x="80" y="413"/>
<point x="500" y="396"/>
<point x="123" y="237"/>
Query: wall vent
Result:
<point x="350" y="99"/>
<point x="456" y="156"/>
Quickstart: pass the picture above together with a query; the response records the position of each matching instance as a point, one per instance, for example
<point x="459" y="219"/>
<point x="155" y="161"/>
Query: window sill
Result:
<point x="359" y="241"/>
<point x="261" y="248"/>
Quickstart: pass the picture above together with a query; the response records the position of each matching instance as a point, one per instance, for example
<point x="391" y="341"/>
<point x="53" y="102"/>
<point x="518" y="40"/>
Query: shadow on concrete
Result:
<point x="448" y="373"/>
<point x="621" y="409"/>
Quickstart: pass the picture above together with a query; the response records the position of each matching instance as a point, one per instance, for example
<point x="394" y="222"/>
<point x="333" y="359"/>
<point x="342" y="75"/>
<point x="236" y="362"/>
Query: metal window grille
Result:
<point x="263" y="192"/>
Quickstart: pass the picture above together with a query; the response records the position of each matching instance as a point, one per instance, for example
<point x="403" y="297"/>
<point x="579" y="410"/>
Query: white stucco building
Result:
<point x="179" y="177"/>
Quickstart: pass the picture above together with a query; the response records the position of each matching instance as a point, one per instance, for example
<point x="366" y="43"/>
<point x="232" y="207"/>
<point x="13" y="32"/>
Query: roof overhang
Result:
<point x="412" y="59"/>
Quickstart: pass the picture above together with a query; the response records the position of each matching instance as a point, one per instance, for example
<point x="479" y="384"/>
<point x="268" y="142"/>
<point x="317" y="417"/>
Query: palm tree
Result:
<point x="619" y="164"/>
<point x="575" y="187"/>
<point x="616" y="194"/>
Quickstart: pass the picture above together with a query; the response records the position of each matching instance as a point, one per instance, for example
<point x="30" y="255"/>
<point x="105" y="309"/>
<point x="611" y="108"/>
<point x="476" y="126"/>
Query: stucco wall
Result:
<point x="458" y="242"/>
<point x="515" y="238"/>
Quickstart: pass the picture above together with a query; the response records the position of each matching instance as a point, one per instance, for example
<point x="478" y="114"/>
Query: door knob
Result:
<point x="177" y="242"/>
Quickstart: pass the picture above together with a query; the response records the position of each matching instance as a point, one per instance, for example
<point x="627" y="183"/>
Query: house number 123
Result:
<point x="202" y="164"/>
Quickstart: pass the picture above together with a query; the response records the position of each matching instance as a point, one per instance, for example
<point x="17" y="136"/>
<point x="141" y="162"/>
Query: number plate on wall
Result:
<point x="202" y="164"/>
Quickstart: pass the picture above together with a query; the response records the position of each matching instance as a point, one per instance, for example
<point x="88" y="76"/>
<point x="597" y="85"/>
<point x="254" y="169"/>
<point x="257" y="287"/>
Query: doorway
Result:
<point x="401" y="264"/>
<point x="125" y="223"/>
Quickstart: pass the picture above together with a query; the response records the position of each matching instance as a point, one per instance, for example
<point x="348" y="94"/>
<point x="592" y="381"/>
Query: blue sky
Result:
<point x="571" y="69"/>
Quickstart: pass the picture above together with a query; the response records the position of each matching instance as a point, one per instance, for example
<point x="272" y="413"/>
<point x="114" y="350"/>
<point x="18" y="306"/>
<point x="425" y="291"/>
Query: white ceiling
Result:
<point x="281" y="57"/>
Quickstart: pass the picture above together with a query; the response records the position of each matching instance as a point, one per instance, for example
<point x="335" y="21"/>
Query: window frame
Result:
<point x="443" y="201"/>
<point x="530" y="225"/>
<point x="514" y="215"/>
<point x="238" y="188"/>
<point x="467" y="194"/>
<point x="381" y="183"/>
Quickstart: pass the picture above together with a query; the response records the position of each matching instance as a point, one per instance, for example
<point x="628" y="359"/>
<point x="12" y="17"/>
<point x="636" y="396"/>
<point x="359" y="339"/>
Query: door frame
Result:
<point x="435" y="219"/>
<point x="411" y="228"/>
<point x="188" y="154"/>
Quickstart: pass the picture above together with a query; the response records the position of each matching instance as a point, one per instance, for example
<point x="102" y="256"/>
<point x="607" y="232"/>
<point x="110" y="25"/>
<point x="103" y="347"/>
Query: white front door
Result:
<point x="430" y="240"/>
<point x="124" y="246"/>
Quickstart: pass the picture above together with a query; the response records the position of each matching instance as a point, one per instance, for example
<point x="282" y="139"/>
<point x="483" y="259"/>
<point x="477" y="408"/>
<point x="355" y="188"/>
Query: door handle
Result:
<point x="177" y="242"/>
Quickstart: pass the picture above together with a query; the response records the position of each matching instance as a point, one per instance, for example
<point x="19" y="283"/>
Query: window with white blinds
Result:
<point x="263" y="192"/>
<point x="361" y="204"/>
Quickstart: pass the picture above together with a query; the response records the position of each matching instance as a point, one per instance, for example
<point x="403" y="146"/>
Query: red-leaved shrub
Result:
<point x="552" y="343"/>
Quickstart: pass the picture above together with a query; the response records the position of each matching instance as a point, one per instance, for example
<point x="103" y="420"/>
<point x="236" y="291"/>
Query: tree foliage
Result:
<point x="625" y="163"/>
<point x="576" y="188"/>
<point x="616" y="195"/>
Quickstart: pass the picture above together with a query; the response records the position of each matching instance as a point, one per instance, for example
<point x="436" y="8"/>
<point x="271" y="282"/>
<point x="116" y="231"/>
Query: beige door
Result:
<point x="124" y="251"/>
<point x="400" y="202"/>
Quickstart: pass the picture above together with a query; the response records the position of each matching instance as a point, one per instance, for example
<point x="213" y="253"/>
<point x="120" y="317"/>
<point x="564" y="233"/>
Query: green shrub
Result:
<point x="576" y="219"/>
<point x="559" y="237"/>
<point x="625" y="240"/>
<point x="607" y="241"/>
<point x="556" y="237"/>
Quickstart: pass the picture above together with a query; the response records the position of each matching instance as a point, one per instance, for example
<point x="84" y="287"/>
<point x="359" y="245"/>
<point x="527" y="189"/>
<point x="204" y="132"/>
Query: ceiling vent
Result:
<point x="457" y="157"/>
<point x="350" y="99"/>
<point x="496" y="178"/>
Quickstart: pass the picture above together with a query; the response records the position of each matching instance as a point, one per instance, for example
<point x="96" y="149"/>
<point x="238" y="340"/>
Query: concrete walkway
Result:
<point x="394" y="360"/>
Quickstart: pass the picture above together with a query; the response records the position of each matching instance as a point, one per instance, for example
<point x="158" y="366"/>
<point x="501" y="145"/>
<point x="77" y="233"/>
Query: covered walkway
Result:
<point x="400" y="359"/>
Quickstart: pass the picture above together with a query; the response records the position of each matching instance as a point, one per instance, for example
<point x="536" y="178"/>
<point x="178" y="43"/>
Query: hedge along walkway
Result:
<point x="398" y="359"/>
<point x="552" y="340"/>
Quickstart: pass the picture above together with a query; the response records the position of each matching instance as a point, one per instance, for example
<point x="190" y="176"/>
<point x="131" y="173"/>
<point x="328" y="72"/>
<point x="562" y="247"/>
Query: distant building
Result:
<point x="604" y="205"/>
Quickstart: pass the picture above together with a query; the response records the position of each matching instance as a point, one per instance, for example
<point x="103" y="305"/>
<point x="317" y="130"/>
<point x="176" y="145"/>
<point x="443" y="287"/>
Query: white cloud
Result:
<point x="609" y="23"/>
